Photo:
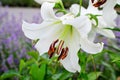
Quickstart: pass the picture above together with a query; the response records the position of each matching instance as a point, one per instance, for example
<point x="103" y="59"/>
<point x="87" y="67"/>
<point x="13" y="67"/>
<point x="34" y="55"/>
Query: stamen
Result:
<point x="99" y="3"/>
<point x="63" y="54"/>
<point x="60" y="47"/>
<point x="52" y="48"/>
<point x="92" y="1"/>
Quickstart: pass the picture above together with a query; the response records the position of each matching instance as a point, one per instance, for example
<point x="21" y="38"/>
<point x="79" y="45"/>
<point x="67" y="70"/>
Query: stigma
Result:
<point x="98" y="3"/>
<point x="58" y="49"/>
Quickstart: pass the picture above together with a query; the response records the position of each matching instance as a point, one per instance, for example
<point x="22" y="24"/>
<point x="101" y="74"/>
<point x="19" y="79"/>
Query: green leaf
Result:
<point x="26" y="78"/>
<point x="35" y="72"/>
<point x="83" y="60"/>
<point x="9" y="74"/>
<point x="93" y="75"/>
<point x="42" y="71"/>
<point x="56" y="76"/>
<point x="22" y="64"/>
<point x="83" y="76"/>
<point x="34" y="54"/>
<point x="38" y="73"/>
<point x="65" y="75"/>
<point x="115" y="57"/>
<point x="114" y="29"/>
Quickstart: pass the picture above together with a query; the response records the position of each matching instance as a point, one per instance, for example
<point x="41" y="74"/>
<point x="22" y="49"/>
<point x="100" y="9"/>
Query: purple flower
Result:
<point x="118" y="21"/>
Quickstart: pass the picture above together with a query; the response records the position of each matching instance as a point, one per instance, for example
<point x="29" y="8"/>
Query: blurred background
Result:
<point x="17" y="51"/>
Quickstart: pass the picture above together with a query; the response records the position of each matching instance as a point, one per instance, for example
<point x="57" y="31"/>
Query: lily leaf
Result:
<point x="114" y="29"/>
<point x="93" y="75"/>
<point x="34" y="54"/>
<point x="9" y="74"/>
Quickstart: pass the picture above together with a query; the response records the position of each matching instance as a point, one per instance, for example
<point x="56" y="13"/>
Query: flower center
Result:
<point x="98" y="3"/>
<point x="62" y="52"/>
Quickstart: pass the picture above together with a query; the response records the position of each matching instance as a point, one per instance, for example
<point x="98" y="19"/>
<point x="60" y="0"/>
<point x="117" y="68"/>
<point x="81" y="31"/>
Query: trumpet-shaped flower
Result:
<point x="100" y="19"/>
<point x="57" y="35"/>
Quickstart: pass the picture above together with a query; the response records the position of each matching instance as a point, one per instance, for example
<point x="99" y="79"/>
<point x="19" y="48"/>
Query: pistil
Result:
<point x="60" y="47"/>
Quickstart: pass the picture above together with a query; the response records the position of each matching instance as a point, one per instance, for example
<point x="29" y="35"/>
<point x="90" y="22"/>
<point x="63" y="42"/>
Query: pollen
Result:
<point x="59" y="50"/>
<point x="98" y="3"/>
<point x="52" y="48"/>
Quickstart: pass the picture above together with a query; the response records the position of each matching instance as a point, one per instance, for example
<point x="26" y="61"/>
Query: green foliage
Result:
<point x="92" y="67"/>
<point x="114" y="29"/>
<point x="10" y="74"/>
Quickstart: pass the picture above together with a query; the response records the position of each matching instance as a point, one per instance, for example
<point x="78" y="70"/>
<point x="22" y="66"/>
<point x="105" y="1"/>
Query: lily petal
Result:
<point x="92" y="34"/>
<point x="109" y="9"/>
<point x="75" y="8"/>
<point x="101" y="29"/>
<point x="47" y="11"/>
<point x="82" y="24"/>
<point x="90" y="47"/>
<point x="73" y="44"/>
<point x="106" y="32"/>
<point x="42" y="1"/>
<point x="43" y="45"/>
<point x="67" y="65"/>
<point x="39" y="31"/>
<point x="118" y="1"/>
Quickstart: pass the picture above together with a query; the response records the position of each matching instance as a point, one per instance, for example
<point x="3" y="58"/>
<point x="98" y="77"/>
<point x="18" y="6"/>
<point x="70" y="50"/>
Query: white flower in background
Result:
<point x="102" y="21"/>
<point x="42" y="1"/>
<point x="59" y="36"/>
<point x="118" y="2"/>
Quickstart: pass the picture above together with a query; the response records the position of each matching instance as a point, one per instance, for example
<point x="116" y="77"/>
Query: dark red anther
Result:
<point x="99" y="3"/>
<point x="63" y="54"/>
<point x="60" y="47"/>
<point x="92" y="1"/>
<point x="52" y="48"/>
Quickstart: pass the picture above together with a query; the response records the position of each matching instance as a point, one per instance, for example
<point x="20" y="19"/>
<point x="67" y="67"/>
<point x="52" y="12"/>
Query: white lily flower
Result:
<point x="102" y="22"/>
<point x="118" y="2"/>
<point x="62" y="35"/>
<point x="42" y="1"/>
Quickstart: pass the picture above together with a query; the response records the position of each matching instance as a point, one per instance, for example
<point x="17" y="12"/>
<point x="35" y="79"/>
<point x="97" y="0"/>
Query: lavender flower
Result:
<point x="14" y="45"/>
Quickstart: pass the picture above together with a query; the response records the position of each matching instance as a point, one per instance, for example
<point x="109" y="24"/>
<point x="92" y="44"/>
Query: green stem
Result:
<point x="62" y="5"/>
<point x="80" y="7"/>
<point x="93" y="61"/>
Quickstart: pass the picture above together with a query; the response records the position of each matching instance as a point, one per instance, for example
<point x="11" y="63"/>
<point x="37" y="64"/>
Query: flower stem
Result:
<point x="80" y="7"/>
<point x="62" y="6"/>
<point x="93" y="61"/>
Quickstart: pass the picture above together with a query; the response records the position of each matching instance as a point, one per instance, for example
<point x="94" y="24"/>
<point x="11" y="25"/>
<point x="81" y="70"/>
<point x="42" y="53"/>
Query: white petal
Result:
<point x="101" y="29"/>
<point x="37" y="31"/>
<point x="90" y="47"/>
<point x="75" y="8"/>
<point x="47" y="11"/>
<point x="82" y="24"/>
<point x="71" y="62"/>
<point x="67" y="64"/>
<point x="43" y="45"/>
<point x="42" y="1"/>
<point x="105" y="32"/>
<point x="92" y="34"/>
<point x="118" y="1"/>
<point x="109" y="9"/>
